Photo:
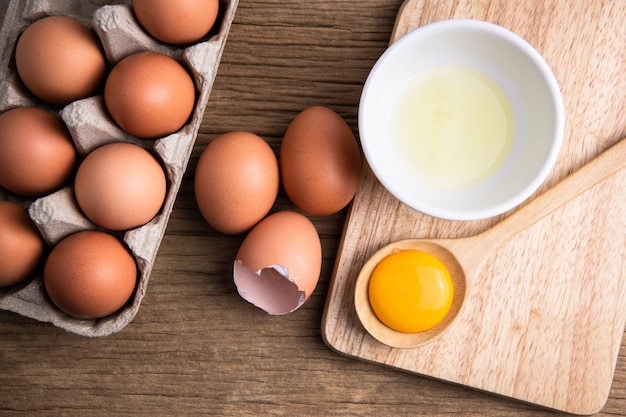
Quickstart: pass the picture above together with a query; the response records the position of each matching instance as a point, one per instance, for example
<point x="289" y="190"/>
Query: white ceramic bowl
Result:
<point x="504" y="58"/>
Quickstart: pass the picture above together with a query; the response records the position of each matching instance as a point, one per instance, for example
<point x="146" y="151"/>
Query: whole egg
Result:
<point x="120" y="186"/>
<point x="60" y="60"/>
<point x="320" y="162"/>
<point x="90" y="274"/>
<point x="149" y="95"/>
<point x="236" y="181"/>
<point x="37" y="154"/>
<point x="176" y="22"/>
<point x="21" y="245"/>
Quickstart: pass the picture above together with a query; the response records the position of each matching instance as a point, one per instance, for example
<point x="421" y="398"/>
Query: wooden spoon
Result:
<point x="465" y="257"/>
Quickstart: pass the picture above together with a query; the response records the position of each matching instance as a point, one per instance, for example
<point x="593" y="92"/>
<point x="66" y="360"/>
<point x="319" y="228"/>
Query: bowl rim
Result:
<point x="554" y="92"/>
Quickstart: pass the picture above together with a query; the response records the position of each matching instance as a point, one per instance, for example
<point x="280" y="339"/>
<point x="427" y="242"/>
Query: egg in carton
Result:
<point x="57" y="215"/>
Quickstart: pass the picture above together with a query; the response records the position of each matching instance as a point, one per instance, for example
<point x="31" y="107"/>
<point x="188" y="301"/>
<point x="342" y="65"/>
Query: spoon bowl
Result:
<point x="392" y="337"/>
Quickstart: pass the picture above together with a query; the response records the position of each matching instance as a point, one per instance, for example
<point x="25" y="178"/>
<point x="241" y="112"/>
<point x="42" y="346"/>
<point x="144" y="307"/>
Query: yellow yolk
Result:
<point x="410" y="291"/>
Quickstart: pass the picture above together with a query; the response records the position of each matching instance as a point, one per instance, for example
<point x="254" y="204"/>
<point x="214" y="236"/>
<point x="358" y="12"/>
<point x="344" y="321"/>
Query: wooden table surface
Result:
<point x="195" y="347"/>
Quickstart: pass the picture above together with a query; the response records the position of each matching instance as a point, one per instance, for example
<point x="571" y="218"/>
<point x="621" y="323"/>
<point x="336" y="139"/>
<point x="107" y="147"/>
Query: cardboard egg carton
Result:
<point x="57" y="215"/>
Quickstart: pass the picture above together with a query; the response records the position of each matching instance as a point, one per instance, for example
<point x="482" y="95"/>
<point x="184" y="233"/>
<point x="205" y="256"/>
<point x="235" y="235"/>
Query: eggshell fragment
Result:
<point x="279" y="263"/>
<point x="320" y="162"/>
<point x="236" y="182"/>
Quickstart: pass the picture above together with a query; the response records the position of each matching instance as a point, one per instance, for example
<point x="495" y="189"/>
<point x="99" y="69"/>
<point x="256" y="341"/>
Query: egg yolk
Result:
<point x="410" y="291"/>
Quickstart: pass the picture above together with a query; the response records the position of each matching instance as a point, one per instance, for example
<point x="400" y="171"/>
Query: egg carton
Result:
<point x="57" y="215"/>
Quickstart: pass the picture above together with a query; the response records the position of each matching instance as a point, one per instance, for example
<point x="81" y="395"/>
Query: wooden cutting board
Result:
<point x="547" y="323"/>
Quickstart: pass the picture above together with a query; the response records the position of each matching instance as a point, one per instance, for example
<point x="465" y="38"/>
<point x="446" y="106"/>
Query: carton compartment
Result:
<point x="57" y="215"/>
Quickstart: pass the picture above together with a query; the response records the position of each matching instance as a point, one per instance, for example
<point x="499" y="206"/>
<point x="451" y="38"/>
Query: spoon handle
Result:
<point x="605" y="165"/>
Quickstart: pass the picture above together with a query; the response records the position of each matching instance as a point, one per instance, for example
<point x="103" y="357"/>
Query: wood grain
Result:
<point x="196" y="348"/>
<point x="544" y="266"/>
<point x="563" y="32"/>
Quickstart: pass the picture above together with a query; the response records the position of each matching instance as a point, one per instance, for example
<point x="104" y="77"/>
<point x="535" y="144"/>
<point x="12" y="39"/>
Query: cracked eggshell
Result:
<point x="279" y="263"/>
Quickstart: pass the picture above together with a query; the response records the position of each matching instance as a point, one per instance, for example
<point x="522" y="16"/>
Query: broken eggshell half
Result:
<point x="279" y="263"/>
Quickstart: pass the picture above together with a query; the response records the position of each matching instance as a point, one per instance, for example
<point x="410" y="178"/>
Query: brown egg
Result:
<point x="149" y="95"/>
<point x="60" y="60"/>
<point x="37" y="154"/>
<point x="279" y="263"/>
<point x="90" y="275"/>
<point x="21" y="245"/>
<point x="177" y="22"/>
<point x="120" y="186"/>
<point x="236" y="181"/>
<point x="320" y="162"/>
